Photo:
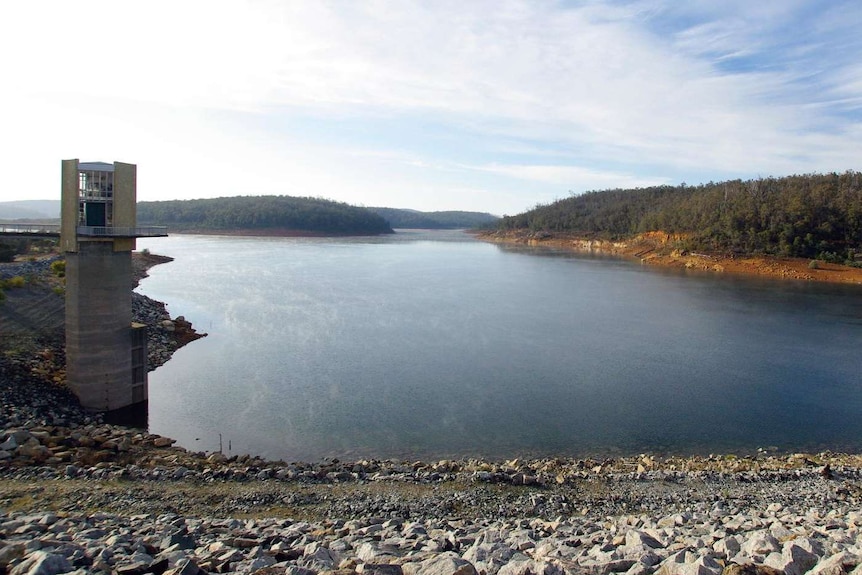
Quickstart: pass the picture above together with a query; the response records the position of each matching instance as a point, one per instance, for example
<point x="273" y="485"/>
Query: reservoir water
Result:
<point x="433" y="344"/>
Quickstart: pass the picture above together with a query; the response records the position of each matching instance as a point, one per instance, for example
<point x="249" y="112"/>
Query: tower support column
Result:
<point x="98" y="325"/>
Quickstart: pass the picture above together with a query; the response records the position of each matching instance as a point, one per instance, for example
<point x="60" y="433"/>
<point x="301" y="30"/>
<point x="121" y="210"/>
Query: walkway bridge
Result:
<point x="53" y="231"/>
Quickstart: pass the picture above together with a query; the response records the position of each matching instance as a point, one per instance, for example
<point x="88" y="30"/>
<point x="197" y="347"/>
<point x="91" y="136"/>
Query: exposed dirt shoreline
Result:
<point x="656" y="248"/>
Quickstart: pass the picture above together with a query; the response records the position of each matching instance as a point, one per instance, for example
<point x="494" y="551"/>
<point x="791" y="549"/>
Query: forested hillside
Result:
<point x="813" y="216"/>
<point x="263" y="213"/>
<point x="399" y="218"/>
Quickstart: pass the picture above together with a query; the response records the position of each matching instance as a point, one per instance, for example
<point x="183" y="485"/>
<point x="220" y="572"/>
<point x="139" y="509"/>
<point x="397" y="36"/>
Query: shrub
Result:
<point x="832" y="257"/>
<point x="16" y="282"/>
<point x="813" y="265"/>
<point x="58" y="268"/>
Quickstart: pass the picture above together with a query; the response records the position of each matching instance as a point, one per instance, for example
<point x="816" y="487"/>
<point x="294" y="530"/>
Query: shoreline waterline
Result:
<point x="653" y="249"/>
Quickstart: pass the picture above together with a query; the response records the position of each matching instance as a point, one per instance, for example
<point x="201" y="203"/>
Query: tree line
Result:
<point x="811" y="215"/>
<point x="449" y="220"/>
<point x="302" y="214"/>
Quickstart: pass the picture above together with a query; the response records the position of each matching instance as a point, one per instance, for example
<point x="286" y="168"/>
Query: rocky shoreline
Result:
<point x="656" y="248"/>
<point x="41" y="332"/>
<point x="80" y="496"/>
<point x="164" y="335"/>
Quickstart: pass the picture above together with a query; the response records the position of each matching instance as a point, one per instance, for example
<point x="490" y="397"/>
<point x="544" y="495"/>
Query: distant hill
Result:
<point x="400" y="218"/>
<point x="810" y="216"/>
<point x="263" y="214"/>
<point x="30" y="210"/>
<point x="303" y="214"/>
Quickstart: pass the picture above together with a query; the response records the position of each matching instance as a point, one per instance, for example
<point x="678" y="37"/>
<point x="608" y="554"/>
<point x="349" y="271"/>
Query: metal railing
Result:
<point x="88" y="231"/>
<point x="122" y="232"/>
<point x="30" y="229"/>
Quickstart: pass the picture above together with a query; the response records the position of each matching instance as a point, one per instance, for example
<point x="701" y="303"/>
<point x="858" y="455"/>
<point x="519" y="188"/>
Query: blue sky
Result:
<point x="479" y="105"/>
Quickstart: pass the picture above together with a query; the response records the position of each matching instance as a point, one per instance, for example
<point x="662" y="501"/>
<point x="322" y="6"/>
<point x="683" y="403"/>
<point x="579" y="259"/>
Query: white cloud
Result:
<point x="217" y="97"/>
<point x="571" y="177"/>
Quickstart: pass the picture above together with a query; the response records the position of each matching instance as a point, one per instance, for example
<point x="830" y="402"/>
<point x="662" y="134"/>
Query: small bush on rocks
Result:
<point x="14" y="282"/>
<point x="58" y="268"/>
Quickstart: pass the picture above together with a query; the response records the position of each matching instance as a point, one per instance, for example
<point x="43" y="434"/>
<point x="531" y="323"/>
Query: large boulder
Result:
<point x="443" y="564"/>
<point x="42" y="563"/>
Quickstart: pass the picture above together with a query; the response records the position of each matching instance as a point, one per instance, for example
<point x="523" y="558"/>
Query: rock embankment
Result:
<point x="740" y="532"/>
<point x="708" y="540"/>
<point x="164" y="335"/>
<point x="32" y="318"/>
<point x="27" y="268"/>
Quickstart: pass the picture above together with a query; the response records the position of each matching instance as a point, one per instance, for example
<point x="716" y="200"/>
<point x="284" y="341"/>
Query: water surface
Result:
<point x="432" y="344"/>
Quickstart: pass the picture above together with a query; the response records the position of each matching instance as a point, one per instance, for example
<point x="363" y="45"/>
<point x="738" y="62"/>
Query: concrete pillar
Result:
<point x="125" y="206"/>
<point x="98" y="325"/>
<point x="69" y="206"/>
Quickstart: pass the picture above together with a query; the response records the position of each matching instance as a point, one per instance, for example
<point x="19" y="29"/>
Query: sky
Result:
<point x="492" y="106"/>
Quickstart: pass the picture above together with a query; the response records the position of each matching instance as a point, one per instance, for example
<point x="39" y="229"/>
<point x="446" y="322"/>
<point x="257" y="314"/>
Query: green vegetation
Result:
<point x="58" y="268"/>
<point x="812" y="216"/>
<point x="413" y="219"/>
<point x="14" y="282"/>
<point x="262" y="213"/>
<point x="11" y="283"/>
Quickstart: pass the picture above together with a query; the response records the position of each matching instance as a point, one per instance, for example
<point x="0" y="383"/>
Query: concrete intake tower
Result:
<point x="106" y="354"/>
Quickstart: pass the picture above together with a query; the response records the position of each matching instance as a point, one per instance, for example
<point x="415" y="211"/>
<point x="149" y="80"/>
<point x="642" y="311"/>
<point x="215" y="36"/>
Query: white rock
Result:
<point x="254" y="564"/>
<point x="780" y="532"/>
<point x="760" y="543"/>
<point x="729" y="546"/>
<point x="837" y="564"/>
<point x="369" y="553"/>
<point x="686" y="562"/>
<point x="704" y="565"/>
<point x="318" y="557"/>
<point x="443" y="564"/>
<point x="522" y="567"/>
<point x="796" y="558"/>
<point x="639" y="540"/>
<point x="605" y="567"/>
<point x="41" y="563"/>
